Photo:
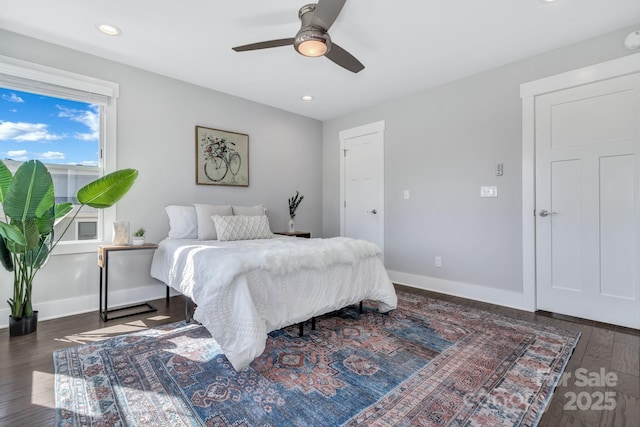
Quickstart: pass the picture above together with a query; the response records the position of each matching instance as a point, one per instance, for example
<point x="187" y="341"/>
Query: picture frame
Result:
<point x="222" y="157"/>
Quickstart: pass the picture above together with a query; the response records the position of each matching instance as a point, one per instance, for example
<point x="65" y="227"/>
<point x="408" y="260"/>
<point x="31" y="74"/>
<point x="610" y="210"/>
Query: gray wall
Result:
<point x="442" y="145"/>
<point x="156" y="135"/>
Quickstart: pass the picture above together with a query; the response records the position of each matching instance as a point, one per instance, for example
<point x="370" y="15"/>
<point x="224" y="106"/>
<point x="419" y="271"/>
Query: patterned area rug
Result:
<point x="427" y="363"/>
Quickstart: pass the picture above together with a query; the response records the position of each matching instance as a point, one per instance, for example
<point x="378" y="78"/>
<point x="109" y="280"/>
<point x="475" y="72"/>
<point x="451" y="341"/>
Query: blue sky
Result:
<point x="52" y="130"/>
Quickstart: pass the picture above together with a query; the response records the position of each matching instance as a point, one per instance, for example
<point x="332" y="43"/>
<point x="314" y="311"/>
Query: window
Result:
<point x="67" y="121"/>
<point x="65" y="136"/>
<point x="86" y="230"/>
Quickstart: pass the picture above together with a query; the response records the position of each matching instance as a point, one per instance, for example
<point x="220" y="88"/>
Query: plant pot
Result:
<point x="137" y="241"/>
<point x="24" y="325"/>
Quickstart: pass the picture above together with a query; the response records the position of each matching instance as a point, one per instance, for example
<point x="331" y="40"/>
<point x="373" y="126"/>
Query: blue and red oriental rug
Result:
<point x="428" y="363"/>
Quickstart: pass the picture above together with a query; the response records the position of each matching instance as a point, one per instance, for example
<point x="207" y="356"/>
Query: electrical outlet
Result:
<point x="406" y="194"/>
<point x="489" y="191"/>
<point x="438" y="261"/>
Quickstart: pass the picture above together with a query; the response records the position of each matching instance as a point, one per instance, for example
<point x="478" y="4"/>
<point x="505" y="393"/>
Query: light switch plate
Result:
<point x="489" y="191"/>
<point x="406" y="194"/>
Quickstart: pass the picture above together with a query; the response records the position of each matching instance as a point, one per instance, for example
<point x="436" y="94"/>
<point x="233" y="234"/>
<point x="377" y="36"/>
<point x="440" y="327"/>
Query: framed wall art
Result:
<point x="222" y="157"/>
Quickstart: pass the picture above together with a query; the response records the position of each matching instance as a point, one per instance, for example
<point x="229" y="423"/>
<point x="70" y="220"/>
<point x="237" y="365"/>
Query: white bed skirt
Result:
<point x="244" y="291"/>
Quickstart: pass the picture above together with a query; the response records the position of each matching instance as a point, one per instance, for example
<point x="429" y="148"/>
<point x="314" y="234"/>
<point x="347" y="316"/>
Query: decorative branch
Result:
<point x="294" y="202"/>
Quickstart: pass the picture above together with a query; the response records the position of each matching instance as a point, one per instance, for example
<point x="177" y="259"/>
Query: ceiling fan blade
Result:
<point x="326" y="13"/>
<point x="344" y="59"/>
<point x="264" y="45"/>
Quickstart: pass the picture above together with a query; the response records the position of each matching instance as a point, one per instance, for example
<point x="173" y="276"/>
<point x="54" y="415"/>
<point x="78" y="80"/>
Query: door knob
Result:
<point x="545" y="212"/>
<point x="373" y="211"/>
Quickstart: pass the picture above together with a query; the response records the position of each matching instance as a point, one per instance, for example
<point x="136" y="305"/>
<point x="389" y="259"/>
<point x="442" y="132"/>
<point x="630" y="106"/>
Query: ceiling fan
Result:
<point x="313" y="38"/>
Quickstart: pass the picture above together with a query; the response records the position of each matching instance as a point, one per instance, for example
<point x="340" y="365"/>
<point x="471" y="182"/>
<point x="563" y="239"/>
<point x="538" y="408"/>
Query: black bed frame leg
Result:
<point x="301" y="331"/>
<point x="361" y="311"/>
<point x="188" y="306"/>
<point x="313" y="323"/>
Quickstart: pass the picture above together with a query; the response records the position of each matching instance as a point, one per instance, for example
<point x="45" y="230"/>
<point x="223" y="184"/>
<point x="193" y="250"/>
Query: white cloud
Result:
<point x="51" y="155"/>
<point x="18" y="155"/>
<point x="12" y="98"/>
<point x="21" y="131"/>
<point x="90" y="118"/>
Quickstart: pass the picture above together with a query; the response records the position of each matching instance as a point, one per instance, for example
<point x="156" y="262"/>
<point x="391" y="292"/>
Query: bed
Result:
<point x="245" y="289"/>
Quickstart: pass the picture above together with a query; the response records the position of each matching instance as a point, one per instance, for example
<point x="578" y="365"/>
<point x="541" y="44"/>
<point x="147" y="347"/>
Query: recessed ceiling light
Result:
<point x="108" y="29"/>
<point x="547" y="1"/>
<point x="633" y="40"/>
<point x="307" y="98"/>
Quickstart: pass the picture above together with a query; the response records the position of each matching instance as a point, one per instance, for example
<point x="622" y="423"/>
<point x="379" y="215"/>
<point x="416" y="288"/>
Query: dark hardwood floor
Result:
<point x="27" y="373"/>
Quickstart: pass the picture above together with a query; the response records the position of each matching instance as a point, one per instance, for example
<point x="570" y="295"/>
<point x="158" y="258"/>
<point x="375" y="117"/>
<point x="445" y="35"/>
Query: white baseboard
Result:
<point x="84" y="304"/>
<point x="464" y="290"/>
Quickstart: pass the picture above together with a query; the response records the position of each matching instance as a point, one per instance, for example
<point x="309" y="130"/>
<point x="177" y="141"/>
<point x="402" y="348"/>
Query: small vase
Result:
<point x="137" y="240"/>
<point x="292" y="226"/>
<point x="120" y="233"/>
<point x="24" y="325"/>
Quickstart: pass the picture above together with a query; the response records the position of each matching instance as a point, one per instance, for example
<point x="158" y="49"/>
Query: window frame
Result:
<point x="41" y="78"/>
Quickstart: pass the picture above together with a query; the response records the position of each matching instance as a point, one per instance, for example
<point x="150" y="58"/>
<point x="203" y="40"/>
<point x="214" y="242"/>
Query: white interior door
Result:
<point x="587" y="142"/>
<point x="362" y="182"/>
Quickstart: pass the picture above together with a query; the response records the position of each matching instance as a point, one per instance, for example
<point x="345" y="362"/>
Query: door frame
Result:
<point x="619" y="67"/>
<point x="371" y="128"/>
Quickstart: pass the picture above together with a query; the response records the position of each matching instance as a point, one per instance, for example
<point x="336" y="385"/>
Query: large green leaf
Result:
<point x="63" y="209"/>
<point x="30" y="193"/>
<point x="5" y="180"/>
<point x="46" y="222"/>
<point x="106" y="191"/>
<point x="12" y="233"/>
<point x="29" y="229"/>
<point x="38" y="257"/>
<point x="5" y="256"/>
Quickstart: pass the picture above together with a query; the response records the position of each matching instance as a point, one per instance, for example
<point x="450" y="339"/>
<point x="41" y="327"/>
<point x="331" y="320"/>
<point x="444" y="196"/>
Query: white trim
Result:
<point x="463" y="290"/>
<point x="374" y="127"/>
<point x="88" y="303"/>
<point x="528" y="91"/>
<point x="371" y="128"/>
<point x="593" y="73"/>
<point x="54" y="76"/>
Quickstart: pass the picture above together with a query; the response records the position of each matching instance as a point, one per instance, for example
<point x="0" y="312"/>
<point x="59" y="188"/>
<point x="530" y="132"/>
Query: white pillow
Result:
<point x="182" y="222"/>
<point x="206" y="227"/>
<point x="242" y="227"/>
<point x="257" y="210"/>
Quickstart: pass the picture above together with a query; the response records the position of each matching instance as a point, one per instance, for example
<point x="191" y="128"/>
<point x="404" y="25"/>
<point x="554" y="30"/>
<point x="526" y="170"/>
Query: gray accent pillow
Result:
<point x="257" y="210"/>
<point x="206" y="227"/>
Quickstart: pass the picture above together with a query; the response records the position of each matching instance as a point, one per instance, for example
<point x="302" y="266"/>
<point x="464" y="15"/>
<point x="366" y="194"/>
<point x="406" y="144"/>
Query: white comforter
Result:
<point x="246" y="289"/>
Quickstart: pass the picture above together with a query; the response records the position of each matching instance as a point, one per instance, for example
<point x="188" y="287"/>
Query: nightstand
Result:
<point x="305" y="234"/>
<point x="103" y="263"/>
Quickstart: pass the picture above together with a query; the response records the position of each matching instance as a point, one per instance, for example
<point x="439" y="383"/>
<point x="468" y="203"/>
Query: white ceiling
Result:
<point x="405" y="45"/>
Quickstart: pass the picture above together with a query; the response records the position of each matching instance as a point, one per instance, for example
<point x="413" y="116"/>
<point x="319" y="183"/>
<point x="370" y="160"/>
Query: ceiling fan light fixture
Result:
<point x="312" y="43"/>
<point x="312" y="48"/>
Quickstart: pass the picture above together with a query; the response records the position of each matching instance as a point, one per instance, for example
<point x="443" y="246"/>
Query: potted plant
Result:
<point x="138" y="237"/>
<point x="294" y="202"/>
<point x="26" y="229"/>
